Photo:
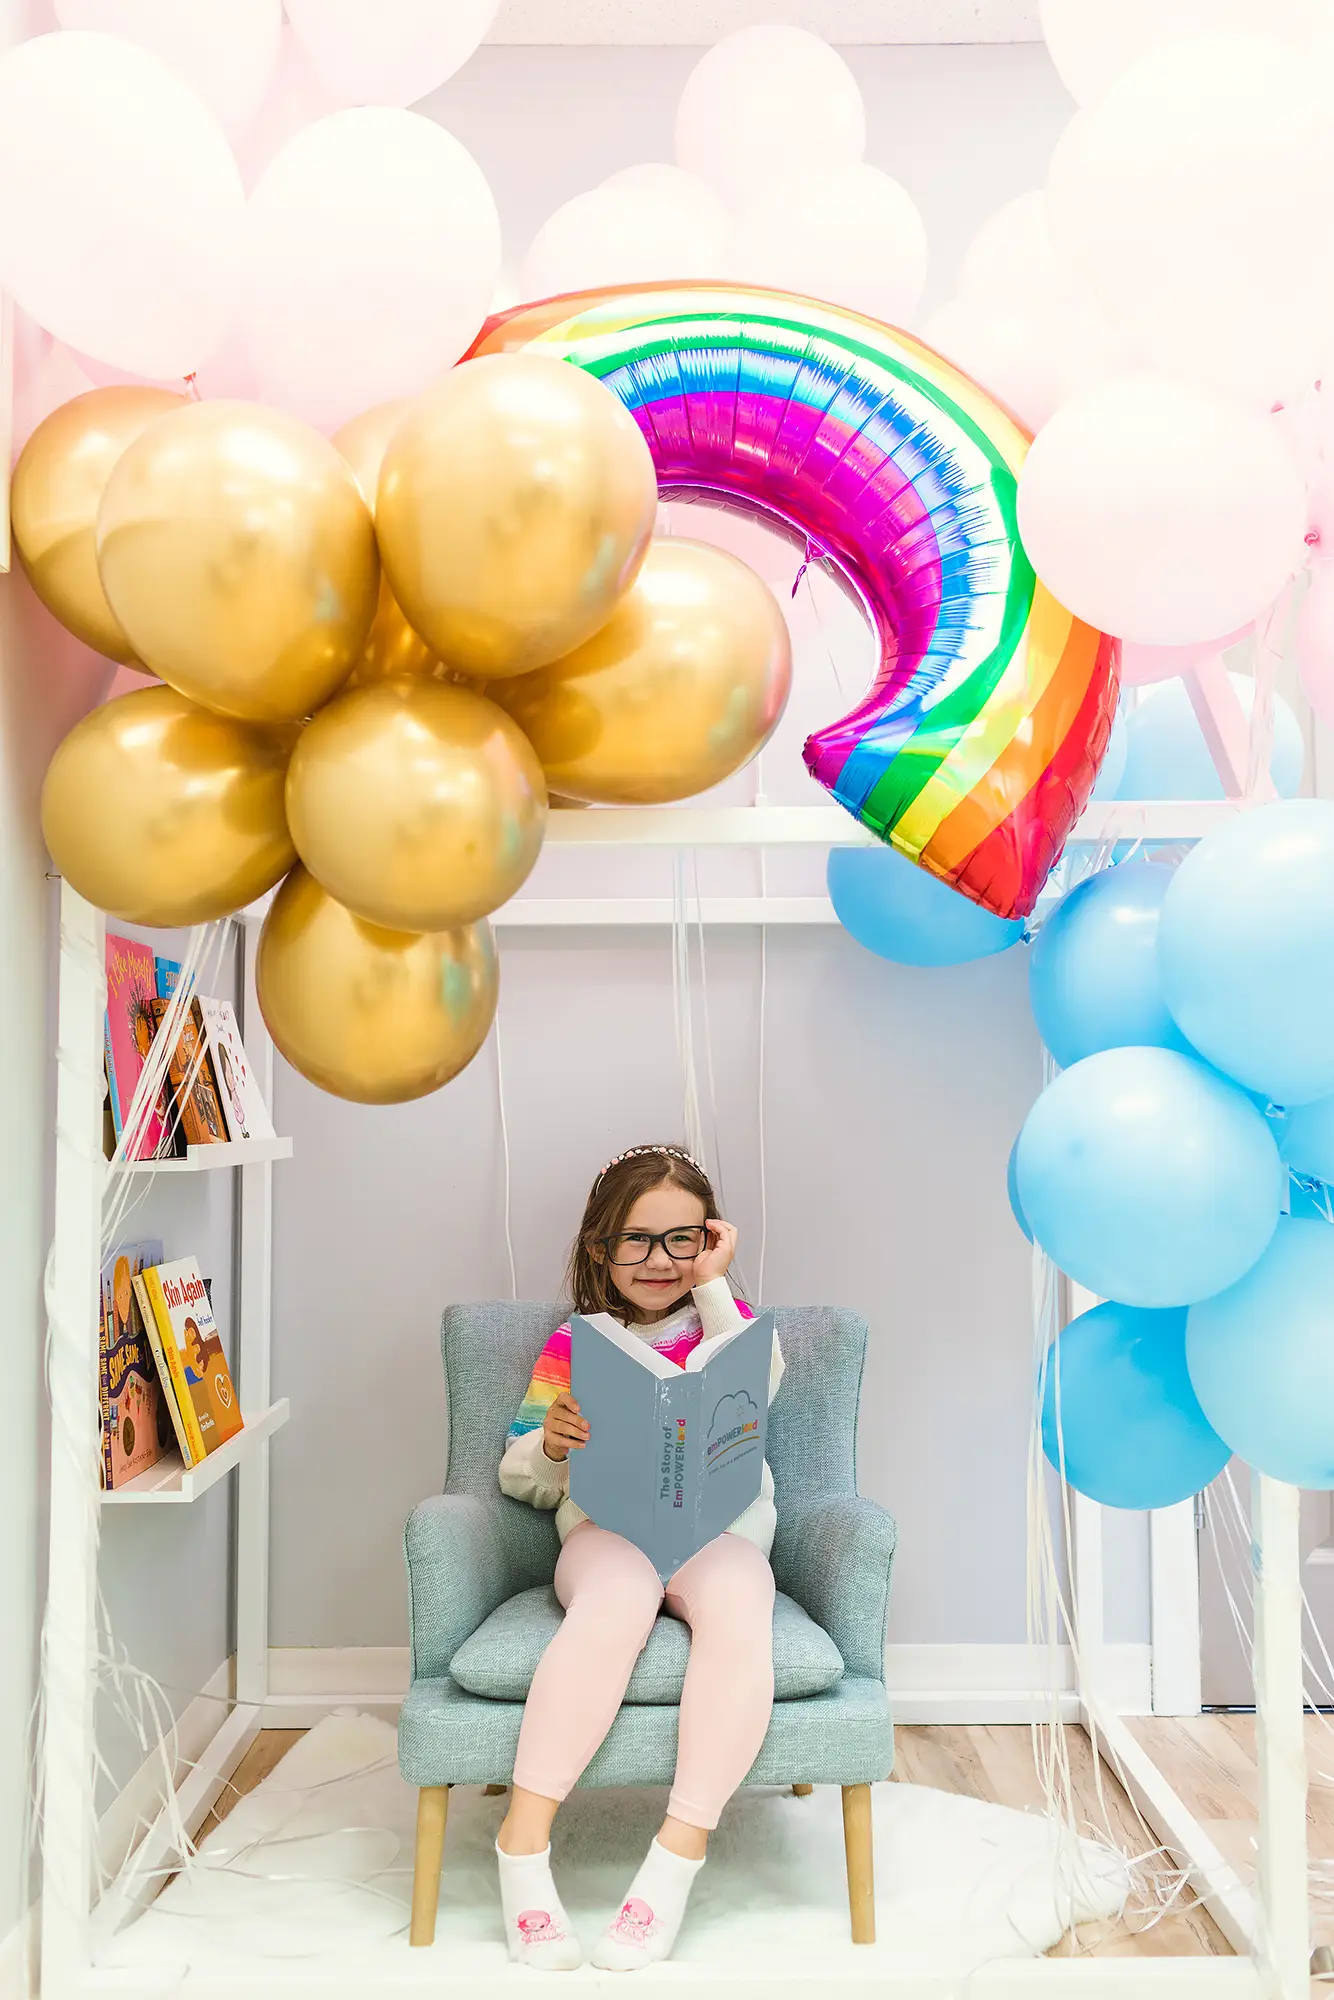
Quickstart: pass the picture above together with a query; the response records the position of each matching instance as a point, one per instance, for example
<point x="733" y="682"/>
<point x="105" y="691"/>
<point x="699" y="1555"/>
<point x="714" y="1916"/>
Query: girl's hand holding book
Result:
<point x="715" y="1260"/>
<point x="563" y="1429"/>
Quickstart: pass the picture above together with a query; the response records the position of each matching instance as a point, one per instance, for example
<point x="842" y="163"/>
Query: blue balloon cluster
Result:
<point x="1181" y="1166"/>
<point x="1167" y="757"/>
<point x="899" y="911"/>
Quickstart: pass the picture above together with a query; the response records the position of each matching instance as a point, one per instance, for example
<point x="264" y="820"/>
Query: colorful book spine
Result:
<point x="157" y="1319"/>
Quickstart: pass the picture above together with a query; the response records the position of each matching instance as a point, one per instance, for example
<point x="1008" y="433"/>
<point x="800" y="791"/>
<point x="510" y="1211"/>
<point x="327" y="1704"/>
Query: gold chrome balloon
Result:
<point x="378" y="1016"/>
<point x="160" y="812"/>
<point x="679" y="689"/>
<point x="392" y="649"/>
<point x="418" y="806"/>
<point x="58" y="484"/>
<point x="236" y="550"/>
<point x="515" y="503"/>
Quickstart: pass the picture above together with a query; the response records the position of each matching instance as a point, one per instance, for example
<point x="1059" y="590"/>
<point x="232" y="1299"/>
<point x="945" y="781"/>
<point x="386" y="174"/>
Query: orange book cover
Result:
<point x="193" y="1346"/>
<point x="135" y="1428"/>
<point x="191" y="1074"/>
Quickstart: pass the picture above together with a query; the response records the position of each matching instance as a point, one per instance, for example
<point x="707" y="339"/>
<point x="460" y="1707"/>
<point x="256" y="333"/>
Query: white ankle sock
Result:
<point x="537" y="1930"/>
<point x="644" y="1930"/>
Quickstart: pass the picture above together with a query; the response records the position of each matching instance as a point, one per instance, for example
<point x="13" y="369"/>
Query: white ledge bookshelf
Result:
<point x="203" y="1159"/>
<point x="169" y="1483"/>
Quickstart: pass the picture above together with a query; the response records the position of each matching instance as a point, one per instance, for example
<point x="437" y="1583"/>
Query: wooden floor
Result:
<point x="1210" y="1761"/>
<point x="996" y="1764"/>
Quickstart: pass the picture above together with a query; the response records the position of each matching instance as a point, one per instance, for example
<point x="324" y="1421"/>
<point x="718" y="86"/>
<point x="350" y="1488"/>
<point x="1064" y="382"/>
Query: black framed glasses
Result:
<point x="635" y="1246"/>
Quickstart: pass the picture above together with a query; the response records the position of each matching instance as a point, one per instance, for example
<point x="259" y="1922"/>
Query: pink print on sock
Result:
<point x="537" y="1927"/>
<point x="636" y="1921"/>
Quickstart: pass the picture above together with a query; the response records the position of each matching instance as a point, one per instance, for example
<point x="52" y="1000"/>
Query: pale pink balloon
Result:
<point x="293" y="101"/>
<point x="1142" y="664"/>
<point x="121" y="208"/>
<point x="1315" y="642"/>
<point x="50" y="379"/>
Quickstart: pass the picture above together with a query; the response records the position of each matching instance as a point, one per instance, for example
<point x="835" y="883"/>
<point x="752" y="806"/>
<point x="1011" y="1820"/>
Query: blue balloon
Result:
<point x="1012" y="1188"/>
<point x="1306" y="1139"/>
<point x="1246" y="949"/>
<point x="899" y="911"/>
<point x="1131" y="1432"/>
<point x="1168" y="758"/>
<point x="1261" y="1358"/>
<point x="1093" y="976"/>
<point x="1147" y="1179"/>
<point x="1113" y="767"/>
<point x="1311" y="1201"/>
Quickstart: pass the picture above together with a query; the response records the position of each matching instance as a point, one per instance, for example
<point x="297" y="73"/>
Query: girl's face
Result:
<point x="653" y="1287"/>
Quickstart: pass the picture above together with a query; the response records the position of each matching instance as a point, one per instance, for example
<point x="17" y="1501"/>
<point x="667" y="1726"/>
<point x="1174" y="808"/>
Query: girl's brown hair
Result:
<point x="614" y="1193"/>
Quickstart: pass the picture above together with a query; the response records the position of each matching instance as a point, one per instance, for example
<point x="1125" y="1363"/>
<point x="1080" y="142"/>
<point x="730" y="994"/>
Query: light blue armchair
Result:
<point x="483" y="1609"/>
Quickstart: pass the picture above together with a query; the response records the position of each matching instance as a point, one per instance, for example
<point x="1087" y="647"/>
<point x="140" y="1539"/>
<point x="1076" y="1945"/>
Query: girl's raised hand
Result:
<point x="715" y="1260"/>
<point x="563" y="1429"/>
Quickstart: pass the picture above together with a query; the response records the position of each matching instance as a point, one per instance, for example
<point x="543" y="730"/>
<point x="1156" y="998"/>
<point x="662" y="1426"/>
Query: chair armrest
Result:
<point x="834" y="1554"/>
<point x="461" y="1565"/>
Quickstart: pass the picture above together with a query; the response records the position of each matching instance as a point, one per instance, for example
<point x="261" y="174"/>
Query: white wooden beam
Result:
<point x="1280" y="1739"/>
<point x="69" y="1640"/>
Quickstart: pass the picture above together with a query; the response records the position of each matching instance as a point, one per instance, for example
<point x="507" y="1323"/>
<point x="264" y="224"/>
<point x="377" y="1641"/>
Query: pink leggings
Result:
<point x="612" y="1595"/>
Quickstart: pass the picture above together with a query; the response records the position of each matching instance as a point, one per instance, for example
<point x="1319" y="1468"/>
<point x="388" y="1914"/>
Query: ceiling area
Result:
<point x="699" y="22"/>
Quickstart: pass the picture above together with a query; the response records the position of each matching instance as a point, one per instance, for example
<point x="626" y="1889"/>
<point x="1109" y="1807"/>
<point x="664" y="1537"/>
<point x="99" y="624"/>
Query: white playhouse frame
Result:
<point x="1269" y="1930"/>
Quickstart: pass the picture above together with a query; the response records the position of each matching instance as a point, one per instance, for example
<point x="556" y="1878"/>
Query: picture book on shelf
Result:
<point x="131" y="990"/>
<point x="242" y="1106"/>
<point x="166" y="976"/>
<point x="176" y="1298"/>
<point x="136" y="1423"/>
<point x="674" y="1454"/>
<point x="190" y="1073"/>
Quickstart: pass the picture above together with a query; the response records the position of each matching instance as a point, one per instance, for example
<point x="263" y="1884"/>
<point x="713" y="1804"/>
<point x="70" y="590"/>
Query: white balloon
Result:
<point x="621" y="236"/>
<point x="1161" y="512"/>
<point x="1315" y="642"/>
<point x="655" y="177"/>
<point x="1012" y="255"/>
<point x="372" y="252"/>
<point x="1092" y="41"/>
<point x="768" y="100"/>
<point x="387" y="51"/>
<point x="292" y="101"/>
<point x="850" y="235"/>
<point x="226" y="51"/>
<point x="120" y="204"/>
<point x="1195" y="203"/>
<point x="1029" y="354"/>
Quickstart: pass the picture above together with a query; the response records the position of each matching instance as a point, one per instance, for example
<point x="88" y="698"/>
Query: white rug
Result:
<point x="316" y="1864"/>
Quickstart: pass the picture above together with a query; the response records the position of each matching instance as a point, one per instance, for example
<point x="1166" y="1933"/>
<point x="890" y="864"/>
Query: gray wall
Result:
<point x="891" y="1096"/>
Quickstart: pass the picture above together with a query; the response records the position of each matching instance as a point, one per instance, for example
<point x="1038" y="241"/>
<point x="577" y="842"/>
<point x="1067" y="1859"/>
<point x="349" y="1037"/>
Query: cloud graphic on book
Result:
<point x="735" y="1420"/>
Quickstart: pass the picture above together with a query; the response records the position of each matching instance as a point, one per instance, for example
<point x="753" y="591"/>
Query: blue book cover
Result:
<point x="673" y="1454"/>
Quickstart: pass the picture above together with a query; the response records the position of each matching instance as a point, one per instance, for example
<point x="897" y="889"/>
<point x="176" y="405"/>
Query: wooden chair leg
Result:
<point x="802" y="1791"/>
<point x="432" y="1810"/>
<point x="494" y="1791"/>
<point x="857" y="1846"/>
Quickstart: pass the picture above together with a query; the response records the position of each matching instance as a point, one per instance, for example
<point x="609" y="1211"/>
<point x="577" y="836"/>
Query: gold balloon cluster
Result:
<point x="373" y="656"/>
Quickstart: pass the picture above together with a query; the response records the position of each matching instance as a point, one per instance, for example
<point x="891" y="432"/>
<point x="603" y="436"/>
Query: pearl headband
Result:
<point x="636" y="1152"/>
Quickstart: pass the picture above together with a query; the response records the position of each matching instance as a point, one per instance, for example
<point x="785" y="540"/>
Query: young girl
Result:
<point x="652" y="1250"/>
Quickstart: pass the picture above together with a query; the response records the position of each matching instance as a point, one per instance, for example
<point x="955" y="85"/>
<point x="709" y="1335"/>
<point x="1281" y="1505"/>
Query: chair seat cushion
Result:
<point x="500" y="1658"/>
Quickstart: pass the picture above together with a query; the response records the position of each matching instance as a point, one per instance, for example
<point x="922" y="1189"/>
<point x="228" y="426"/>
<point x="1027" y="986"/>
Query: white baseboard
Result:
<point x="137" y="1805"/>
<point x="18" y="1959"/>
<point x="928" y="1684"/>
<point x="1009" y="1683"/>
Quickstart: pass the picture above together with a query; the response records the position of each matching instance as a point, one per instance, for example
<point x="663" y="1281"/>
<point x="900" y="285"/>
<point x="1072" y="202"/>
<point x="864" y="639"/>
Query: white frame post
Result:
<point x="69" y="1642"/>
<point x="254" y="1315"/>
<point x="1284" y="1944"/>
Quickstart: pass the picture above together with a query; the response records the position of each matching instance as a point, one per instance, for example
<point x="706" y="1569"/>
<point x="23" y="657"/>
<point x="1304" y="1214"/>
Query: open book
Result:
<point x="674" y="1454"/>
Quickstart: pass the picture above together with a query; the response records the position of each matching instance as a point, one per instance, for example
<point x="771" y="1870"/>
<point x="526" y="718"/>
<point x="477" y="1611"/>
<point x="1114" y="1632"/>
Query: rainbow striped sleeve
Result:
<point x="551" y="1374"/>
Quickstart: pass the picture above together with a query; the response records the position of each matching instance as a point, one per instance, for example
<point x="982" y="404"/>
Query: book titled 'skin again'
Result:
<point x="674" y="1454"/>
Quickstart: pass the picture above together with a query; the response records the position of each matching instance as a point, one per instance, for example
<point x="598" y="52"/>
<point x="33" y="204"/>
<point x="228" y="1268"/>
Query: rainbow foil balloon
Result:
<point x="978" y="744"/>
